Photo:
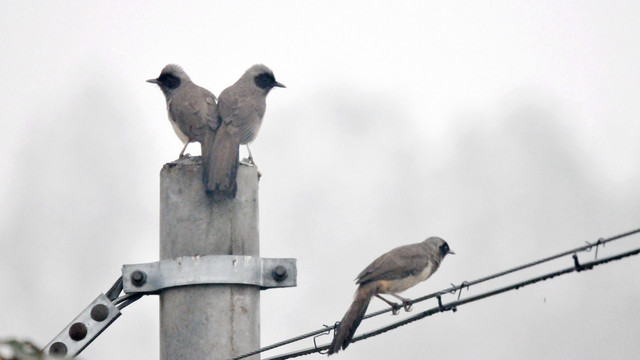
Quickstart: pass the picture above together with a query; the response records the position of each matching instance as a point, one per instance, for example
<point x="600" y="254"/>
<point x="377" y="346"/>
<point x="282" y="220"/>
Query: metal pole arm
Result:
<point x="91" y="322"/>
<point x="151" y="278"/>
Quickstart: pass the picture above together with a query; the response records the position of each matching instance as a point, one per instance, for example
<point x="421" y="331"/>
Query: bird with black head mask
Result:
<point x="391" y="273"/>
<point x="192" y="109"/>
<point x="241" y="108"/>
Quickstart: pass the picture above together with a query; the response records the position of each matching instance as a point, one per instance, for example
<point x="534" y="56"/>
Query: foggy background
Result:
<point x="509" y="128"/>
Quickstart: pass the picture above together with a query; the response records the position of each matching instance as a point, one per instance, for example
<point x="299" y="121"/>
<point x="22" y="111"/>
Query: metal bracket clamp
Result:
<point x="152" y="277"/>
<point x="91" y="322"/>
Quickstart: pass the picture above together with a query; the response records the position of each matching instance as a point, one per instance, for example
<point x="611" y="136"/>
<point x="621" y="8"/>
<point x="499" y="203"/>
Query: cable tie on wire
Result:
<point x="598" y="243"/>
<point x="589" y="246"/>
<point x="576" y="263"/>
<point x="440" y="307"/>
<point x="579" y="267"/>
<point x="462" y="286"/>
<point x="329" y="328"/>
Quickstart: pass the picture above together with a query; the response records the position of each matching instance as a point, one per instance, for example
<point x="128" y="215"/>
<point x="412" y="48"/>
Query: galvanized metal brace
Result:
<point x="91" y="322"/>
<point x="151" y="278"/>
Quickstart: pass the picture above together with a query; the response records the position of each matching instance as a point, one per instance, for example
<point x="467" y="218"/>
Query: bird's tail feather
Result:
<point x="206" y="148"/>
<point x="221" y="163"/>
<point x="351" y="320"/>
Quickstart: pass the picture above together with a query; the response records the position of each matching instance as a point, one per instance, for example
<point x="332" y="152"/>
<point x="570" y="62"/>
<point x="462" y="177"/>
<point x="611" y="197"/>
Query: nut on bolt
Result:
<point x="58" y="349"/>
<point x="99" y="312"/>
<point x="138" y="278"/>
<point x="279" y="273"/>
<point x="78" y="331"/>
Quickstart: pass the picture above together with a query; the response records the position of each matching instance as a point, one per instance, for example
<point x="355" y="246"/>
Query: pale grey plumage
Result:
<point x="192" y="109"/>
<point x="241" y="108"/>
<point x="404" y="261"/>
<point x="391" y="273"/>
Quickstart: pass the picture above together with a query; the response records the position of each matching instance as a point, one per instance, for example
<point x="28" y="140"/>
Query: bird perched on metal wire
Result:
<point x="241" y="107"/>
<point x="391" y="273"/>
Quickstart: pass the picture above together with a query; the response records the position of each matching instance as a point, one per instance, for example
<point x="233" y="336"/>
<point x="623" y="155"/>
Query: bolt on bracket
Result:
<point x="151" y="278"/>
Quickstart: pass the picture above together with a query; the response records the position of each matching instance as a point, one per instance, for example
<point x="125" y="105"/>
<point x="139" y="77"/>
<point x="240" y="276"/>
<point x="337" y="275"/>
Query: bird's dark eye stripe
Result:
<point x="265" y="81"/>
<point x="170" y="81"/>
<point x="444" y="248"/>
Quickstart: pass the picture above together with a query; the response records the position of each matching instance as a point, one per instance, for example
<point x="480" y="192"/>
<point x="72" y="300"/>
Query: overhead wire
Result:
<point x="455" y="288"/>
<point x="456" y="303"/>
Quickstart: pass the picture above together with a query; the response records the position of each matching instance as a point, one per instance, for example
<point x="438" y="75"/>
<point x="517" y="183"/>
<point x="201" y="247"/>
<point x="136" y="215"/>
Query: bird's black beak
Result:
<point x="279" y="85"/>
<point x="153" y="81"/>
<point x="451" y="252"/>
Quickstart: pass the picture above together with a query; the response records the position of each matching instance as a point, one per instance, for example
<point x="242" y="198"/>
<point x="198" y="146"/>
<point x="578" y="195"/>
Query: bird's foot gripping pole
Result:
<point x="248" y="161"/>
<point x="151" y="278"/>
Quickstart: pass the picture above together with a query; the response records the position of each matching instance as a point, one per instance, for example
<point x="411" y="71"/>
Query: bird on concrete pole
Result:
<point x="391" y="273"/>
<point x="241" y="108"/>
<point x="192" y="110"/>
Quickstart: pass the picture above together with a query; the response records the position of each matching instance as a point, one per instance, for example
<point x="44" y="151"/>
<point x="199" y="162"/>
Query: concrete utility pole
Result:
<point x="207" y="321"/>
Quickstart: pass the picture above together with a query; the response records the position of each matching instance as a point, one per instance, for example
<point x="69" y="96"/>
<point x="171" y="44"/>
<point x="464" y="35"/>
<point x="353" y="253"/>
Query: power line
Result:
<point x="455" y="288"/>
<point x="467" y="284"/>
<point x="456" y="303"/>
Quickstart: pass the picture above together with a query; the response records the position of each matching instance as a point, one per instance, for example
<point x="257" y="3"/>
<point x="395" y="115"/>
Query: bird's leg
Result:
<point x="249" y="160"/>
<point x="183" y="149"/>
<point x="406" y="302"/>
<point x="250" y="155"/>
<point x="394" y="307"/>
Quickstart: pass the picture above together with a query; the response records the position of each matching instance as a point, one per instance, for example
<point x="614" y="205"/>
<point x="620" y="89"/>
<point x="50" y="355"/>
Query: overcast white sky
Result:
<point x="509" y="128"/>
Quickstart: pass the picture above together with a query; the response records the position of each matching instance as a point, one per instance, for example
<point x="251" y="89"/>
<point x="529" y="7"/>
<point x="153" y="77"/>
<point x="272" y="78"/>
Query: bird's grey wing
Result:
<point x="210" y="129"/>
<point x="396" y="264"/>
<point x="193" y="108"/>
<point x="244" y="113"/>
<point x="212" y="119"/>
<point x="227" y="105"/>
